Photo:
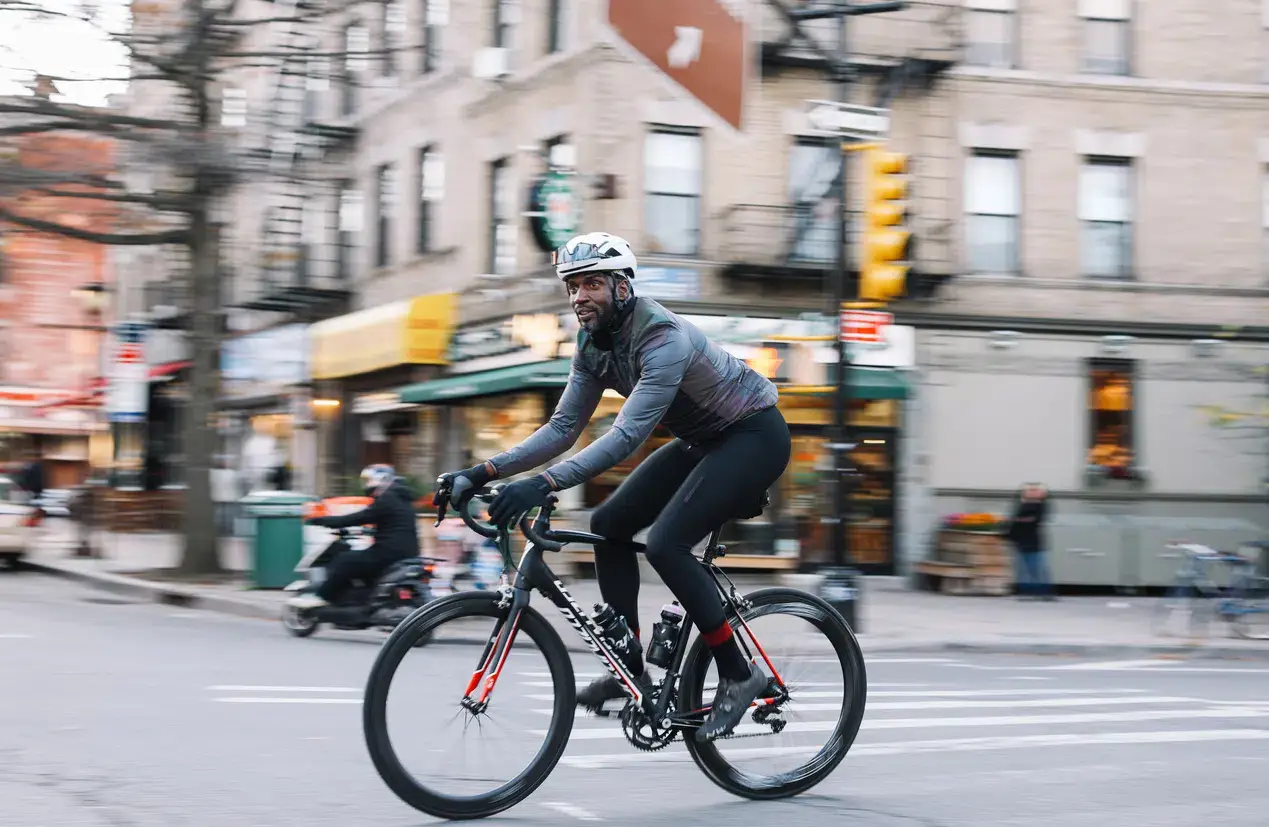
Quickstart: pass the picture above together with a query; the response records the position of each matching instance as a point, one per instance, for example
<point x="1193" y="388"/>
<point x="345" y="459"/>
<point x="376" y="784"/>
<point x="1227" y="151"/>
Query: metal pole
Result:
<point x="843" y="472"/>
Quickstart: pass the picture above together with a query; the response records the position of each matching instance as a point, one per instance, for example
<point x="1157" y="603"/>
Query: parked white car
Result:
<point x="18" y="521"/>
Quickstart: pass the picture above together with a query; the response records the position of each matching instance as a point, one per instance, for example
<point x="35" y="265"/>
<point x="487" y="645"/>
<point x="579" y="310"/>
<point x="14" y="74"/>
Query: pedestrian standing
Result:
<point x="1026" y="531"/>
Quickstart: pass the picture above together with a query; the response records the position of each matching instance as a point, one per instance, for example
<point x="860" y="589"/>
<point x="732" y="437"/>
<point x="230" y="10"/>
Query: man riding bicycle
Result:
<point x="731" y="444"/>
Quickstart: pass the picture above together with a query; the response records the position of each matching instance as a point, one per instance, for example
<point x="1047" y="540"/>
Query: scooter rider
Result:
<point x="396" y="536"/>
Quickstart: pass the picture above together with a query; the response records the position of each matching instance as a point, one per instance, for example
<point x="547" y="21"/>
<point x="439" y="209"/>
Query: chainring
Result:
<point x="638" y="729"/>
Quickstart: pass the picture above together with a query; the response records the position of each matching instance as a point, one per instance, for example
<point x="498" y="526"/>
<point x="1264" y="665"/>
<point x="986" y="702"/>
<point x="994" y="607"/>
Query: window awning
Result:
<point x="865" y="383"/>
<point x="517" y="377"/>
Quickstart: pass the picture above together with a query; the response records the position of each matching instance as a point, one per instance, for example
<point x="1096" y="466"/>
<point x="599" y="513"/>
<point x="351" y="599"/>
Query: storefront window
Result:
<point x="497" y="423"/>
<point x="1110" y="417"/>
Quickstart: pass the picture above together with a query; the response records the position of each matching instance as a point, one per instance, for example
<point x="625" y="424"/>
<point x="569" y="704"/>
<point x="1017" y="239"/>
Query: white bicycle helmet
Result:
<point x="594" y="252"/>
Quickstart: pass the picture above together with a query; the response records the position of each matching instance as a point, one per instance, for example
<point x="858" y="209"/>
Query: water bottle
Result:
<point x="615" y="630"/>
<point x="665" y="635"/>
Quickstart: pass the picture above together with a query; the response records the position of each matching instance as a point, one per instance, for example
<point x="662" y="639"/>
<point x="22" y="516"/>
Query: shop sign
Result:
<point x="127" y="395"/>
<point x="554" y="210"/>
<point x="538" y="336"/>
<point x="668" y="283"/>
<point x="265" y="362"/>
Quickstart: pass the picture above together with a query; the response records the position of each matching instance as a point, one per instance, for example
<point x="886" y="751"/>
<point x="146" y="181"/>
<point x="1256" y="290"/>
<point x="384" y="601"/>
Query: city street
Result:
<point x="134" y="714"/>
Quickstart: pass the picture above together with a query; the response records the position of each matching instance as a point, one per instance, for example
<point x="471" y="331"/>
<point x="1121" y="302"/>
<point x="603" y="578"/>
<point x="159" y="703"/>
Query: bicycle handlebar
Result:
<point x="538" y="531"/>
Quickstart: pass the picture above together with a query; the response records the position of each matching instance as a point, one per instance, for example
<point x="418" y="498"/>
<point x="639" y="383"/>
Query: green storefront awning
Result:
<point x="517" y="377"/>
<point x="877" y="383"/>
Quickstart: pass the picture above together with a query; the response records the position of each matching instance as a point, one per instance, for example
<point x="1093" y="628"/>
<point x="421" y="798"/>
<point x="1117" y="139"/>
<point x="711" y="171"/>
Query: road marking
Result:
<point x="1161" y="666"/>
<point x="14" y="636"/>
<point x="277" y="700"/>
<point x="283" y="689"/>
<point x="571" y="810"/>
<point x="1123" y="716"/>
<point x="994" y="693"/>
<point x="1004" y="703"/>
<point x="947" y="745"/>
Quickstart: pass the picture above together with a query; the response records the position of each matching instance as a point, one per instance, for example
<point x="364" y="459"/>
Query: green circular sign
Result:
<point x="560" y="210"/>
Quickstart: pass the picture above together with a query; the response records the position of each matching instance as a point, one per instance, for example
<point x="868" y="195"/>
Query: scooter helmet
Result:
<point x="375" y="478"/>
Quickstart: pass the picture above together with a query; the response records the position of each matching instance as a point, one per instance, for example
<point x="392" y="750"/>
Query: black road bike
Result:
<point x="654" y="716"/>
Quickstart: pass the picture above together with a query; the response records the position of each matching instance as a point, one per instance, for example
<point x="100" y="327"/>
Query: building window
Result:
<point x="672" y="192"/>
<point x="991" y="38"/>
<point x="1110" y="410"/>
<point x="1105" y="211"/>
<point x="506" y="15"/>
<point x="313" y="238"/>
<point x="993" y="206"/>
<point x="316" y="83"/>
<point x="233" y="108"/>
<point x="384" y="200"/>
<point x="353" y="59"/>
<point x="1107" y="46"/>
<point x="555" y="11"/>
<point x="435" y="18"/>
<point x="502" y="229"/>
<point x="431" y="195"/>
<point x="394" y="28"/>
<point x="813" y="169"/>
<point x="351" y="217"/>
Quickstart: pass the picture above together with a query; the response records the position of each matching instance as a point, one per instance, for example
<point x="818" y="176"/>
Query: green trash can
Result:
<point x="277" y="535"/>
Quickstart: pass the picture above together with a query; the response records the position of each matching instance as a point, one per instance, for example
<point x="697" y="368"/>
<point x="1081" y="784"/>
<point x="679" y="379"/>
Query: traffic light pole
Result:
<point x="843" y="471"/>
<point x="840" y="586"/>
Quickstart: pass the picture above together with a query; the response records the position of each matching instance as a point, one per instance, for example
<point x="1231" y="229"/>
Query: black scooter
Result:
<point x="400" y="589"/>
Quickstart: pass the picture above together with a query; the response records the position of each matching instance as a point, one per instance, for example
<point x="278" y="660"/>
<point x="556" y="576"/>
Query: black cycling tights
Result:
<point x="685" y="492"/>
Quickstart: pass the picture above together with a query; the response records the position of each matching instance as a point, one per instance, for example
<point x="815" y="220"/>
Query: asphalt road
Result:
<point x="118" y="714"/>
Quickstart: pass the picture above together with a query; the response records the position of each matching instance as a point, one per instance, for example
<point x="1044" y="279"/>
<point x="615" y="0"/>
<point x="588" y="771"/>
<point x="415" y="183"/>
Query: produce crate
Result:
<point x="970" y="562"/>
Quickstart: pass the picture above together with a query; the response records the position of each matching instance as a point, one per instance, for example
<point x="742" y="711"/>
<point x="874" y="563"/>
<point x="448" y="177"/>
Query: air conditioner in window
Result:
<point x="491" y="63"/>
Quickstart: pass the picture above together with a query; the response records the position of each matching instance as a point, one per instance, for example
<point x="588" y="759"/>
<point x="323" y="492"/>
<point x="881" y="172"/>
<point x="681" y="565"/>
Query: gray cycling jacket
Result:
<point x="669" y="372"/>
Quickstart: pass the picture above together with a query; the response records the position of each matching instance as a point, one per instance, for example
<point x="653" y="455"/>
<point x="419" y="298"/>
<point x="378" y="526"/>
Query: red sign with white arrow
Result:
<point x="696" y="43"/>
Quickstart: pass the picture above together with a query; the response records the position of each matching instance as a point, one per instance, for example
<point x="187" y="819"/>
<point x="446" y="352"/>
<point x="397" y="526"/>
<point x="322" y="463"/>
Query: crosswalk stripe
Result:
<point x="678" y="754"/>
<point x="872" y="724"/>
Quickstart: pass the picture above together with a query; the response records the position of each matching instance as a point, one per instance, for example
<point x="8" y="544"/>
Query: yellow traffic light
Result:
<point x="887" y="243"/>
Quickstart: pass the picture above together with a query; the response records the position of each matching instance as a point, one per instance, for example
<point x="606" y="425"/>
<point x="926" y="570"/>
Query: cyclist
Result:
<point x="396" y="536"/>
<point x="731" y="444"/>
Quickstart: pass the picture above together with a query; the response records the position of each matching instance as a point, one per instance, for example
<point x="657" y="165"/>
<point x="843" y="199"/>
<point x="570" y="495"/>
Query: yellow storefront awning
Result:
<point x="414" y="331"/>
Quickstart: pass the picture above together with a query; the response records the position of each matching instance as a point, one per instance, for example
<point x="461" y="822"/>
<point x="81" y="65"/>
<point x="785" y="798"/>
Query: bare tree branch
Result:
<point x="165" y="201"/>
<point x="83" y="114"/>
<point x="114" y="239"/>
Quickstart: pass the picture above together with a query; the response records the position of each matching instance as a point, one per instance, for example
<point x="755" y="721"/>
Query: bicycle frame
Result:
<point x="533" y="573"/>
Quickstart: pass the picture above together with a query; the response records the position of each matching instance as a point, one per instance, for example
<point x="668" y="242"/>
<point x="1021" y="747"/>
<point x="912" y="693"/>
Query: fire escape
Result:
<point x="298" y="269"/>
<point x="895" y="60"/>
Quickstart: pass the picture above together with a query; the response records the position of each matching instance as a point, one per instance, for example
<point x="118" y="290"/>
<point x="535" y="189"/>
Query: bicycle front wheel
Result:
<point x="462" y="686"/>
<point x="811" y="713"/>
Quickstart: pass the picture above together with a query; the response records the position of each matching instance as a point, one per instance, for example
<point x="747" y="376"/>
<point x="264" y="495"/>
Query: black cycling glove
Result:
<point x="469" y="480"/>
<point x="518" y="497"/>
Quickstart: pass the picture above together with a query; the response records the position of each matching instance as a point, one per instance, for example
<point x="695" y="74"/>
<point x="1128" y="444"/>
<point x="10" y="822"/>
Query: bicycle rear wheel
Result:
<point x="830" y="658"/>
<point x="465" y="631"/>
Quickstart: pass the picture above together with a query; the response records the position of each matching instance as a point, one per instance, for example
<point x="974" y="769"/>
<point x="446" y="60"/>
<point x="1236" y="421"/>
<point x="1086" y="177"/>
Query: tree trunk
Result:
<point x="201" y="540"/>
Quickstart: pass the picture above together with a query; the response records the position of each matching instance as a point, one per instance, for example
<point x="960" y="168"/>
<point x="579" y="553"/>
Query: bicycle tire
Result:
<point x="835" y="628"/>
<point x="374" y="709"/>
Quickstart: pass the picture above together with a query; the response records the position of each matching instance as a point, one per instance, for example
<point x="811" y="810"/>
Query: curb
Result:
<point x="193" y="598"/>
<point x="164" y="593"/>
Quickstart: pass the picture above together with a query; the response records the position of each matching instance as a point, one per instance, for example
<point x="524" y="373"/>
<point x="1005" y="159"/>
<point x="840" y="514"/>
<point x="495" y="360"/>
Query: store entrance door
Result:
<point x="873" y="510"/>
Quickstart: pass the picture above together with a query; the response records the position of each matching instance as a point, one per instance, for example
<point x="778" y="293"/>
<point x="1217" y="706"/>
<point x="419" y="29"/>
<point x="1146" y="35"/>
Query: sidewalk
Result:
<point x="893" y="618"/>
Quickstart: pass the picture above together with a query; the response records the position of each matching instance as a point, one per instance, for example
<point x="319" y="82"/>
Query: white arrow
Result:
<point x="686" y="47"/>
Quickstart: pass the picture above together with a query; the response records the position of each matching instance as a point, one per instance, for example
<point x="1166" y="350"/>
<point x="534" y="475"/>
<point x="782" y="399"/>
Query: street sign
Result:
<point x="847" y="120"/>
<point x="696" y="43"/>
<point x="555" y="210"/>
<point x="864" y="326"/>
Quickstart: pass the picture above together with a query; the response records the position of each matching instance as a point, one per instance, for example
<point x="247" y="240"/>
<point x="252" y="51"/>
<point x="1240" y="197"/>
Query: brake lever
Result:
<point x="441" y="499"/>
